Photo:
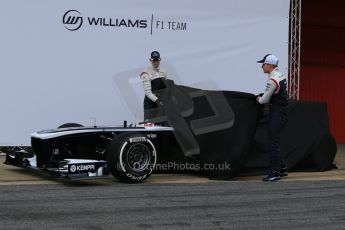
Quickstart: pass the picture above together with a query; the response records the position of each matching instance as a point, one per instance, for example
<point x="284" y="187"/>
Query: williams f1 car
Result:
<point x="75" y="152"/>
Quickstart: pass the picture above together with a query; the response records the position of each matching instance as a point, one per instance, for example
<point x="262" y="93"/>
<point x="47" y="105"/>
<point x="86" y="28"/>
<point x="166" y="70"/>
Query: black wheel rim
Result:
<point x="138" y="157"/>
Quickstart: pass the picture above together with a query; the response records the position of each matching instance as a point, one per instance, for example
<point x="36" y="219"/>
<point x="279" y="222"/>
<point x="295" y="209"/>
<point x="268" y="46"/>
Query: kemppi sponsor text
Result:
<point x="85" y="167"/>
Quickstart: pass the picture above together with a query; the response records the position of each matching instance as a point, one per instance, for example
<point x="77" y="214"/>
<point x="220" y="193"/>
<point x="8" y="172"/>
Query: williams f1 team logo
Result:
<point x="72" y="20"/>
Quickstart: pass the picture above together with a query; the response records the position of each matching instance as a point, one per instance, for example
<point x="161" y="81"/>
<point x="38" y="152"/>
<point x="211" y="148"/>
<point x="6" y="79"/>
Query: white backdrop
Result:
<point x="51" y="75"/>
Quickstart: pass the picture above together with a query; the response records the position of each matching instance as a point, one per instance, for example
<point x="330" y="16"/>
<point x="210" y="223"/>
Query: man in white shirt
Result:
<point x="153" y="79"/>
<point x="276" y="96"/>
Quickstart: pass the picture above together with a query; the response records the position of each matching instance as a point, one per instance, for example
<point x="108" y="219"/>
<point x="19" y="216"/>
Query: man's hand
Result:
<point x="159" y="102"/>
<point x="258" y="97"/>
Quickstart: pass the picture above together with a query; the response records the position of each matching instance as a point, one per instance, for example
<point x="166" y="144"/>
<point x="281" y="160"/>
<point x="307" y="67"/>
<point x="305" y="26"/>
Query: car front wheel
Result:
<point x="131" y="157"/>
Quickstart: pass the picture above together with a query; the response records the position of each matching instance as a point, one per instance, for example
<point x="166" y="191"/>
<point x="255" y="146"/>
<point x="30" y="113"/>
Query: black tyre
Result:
<point x="69" y="125"/>
<point x="131" y="157"/>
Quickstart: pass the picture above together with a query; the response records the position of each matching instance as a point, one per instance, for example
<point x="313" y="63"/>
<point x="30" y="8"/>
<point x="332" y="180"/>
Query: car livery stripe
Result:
<point x="52" y="133"/>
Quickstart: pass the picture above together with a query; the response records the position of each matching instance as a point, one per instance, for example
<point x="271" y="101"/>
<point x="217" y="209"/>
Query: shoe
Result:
<point x="283" y="172"/>
<point x="273" y="176"/>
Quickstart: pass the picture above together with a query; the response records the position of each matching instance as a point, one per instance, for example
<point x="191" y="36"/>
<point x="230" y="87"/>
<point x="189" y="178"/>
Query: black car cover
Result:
<point x="227" y="131"/>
